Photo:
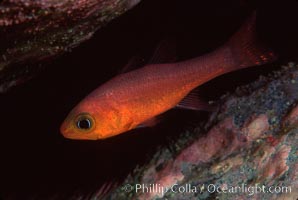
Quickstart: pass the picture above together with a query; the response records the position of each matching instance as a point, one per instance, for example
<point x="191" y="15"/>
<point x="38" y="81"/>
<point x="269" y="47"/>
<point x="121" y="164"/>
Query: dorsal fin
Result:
<point x="134" y="63"/>
<point x="165" y="52"/>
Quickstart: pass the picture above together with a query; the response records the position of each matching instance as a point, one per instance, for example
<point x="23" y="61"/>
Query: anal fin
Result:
<point x="193" y="101"/>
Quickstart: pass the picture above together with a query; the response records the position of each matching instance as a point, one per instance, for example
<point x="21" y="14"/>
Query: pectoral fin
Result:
<point x="151" y="122"/>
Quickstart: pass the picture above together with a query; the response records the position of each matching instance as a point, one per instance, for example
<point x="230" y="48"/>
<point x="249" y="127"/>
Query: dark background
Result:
<point x="37" y="162"/>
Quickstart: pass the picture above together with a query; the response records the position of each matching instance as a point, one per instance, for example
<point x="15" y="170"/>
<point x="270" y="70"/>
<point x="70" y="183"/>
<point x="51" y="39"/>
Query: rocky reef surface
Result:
<point x="246" y="150"/>
<point x="38" y="30"/>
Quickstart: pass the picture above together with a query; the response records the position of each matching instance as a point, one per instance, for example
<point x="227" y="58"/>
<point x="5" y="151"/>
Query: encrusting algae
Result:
<point x="48" y="29"/>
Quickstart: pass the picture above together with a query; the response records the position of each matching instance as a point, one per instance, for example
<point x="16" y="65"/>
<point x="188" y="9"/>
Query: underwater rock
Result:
<point x="37" y="30"/>
<point x="247" y="149"/>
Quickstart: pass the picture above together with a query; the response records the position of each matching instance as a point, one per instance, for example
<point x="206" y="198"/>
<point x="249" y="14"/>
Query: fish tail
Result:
<point x="246" y="49"/>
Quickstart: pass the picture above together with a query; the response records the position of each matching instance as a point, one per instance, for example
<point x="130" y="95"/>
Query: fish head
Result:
<point x="91" y="120"/>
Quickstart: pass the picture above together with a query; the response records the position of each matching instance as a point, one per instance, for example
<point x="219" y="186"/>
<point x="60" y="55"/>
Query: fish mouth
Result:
<point x="64" y="130"/>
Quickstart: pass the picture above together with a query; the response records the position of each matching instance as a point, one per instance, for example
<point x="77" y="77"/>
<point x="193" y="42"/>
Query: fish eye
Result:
<point x="84" y="123"/>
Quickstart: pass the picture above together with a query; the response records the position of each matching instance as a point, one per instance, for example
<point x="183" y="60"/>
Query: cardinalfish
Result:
<point x="136" y="98"/>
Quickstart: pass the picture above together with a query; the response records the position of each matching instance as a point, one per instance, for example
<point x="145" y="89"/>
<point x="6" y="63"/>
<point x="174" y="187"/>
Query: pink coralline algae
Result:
<point x="250" y="152"/>
<point x="220" y="142"/>
<point x="275" y="166"/>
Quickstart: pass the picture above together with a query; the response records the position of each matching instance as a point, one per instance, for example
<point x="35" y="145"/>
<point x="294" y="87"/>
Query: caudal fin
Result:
<point x="246" y="49"/>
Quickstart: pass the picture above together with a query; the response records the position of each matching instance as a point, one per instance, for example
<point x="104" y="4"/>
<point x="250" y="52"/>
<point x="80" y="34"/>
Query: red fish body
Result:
<point x="130" y="99"/>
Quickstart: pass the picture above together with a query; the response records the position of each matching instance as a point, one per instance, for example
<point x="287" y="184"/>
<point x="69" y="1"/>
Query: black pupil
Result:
<point x="84" y="124"/>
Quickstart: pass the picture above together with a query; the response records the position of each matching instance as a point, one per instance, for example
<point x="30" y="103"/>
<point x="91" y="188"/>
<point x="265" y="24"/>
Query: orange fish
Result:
<point x="133" y="98"/>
